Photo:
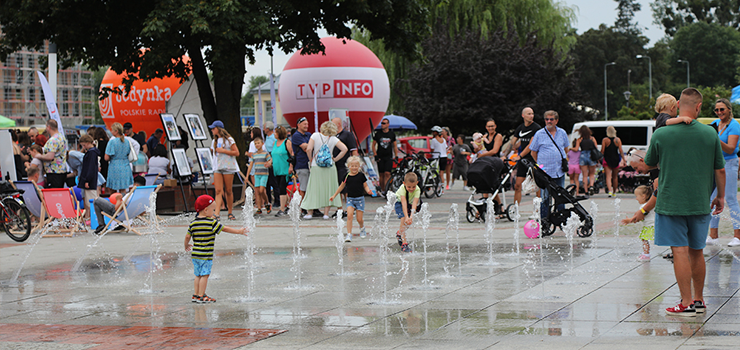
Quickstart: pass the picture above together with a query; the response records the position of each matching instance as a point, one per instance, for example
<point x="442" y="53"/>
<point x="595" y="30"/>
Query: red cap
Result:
<point x="203" y="202"/>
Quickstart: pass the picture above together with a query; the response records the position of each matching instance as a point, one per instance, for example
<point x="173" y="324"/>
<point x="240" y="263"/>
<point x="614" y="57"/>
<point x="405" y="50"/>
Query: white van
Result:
<point x="633" y="133"/>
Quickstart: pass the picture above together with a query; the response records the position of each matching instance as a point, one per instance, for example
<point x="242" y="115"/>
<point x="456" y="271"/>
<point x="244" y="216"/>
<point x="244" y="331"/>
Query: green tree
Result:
<point x="550" y="20"/>
<point x="625" y="14"/>
<point x="467" y="79"/>
<point x="597" y="47"/>
<point x="713" y="52"/>
<point x="675" y="14"/>
<point x="146" y="39"/>
<point x="254" y="81"/>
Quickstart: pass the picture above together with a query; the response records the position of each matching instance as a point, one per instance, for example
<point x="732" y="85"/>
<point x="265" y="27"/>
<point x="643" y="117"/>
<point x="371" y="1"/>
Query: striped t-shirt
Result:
<point x="260" y="163"/>
<point x="204" y="231"/>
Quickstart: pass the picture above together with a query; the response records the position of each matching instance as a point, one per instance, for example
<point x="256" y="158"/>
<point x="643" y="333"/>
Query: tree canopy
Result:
<point x="674" y="14"/>
<point x="146" y="39"/>
<point x="467" y="79"/>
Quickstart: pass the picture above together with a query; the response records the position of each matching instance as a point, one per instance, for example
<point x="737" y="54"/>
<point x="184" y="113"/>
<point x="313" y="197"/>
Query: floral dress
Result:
<point x="119" y="169"/>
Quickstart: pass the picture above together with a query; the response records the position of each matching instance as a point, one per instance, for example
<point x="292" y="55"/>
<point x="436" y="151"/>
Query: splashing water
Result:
<point x="517" y="216"/>
<point x="570" y="228"/>
<point x="250" y="224"/>
<point x="536" y="202"/>
<point x="594" y="211"/>
<point x="490" y="226"/>
<point x="34" y="241"/>
<point x="453" y="222"/>
<point x="295" y="217"/>
<point x="616" y="224"/>
<point x="425" y="219"/>
<point x="340" y="240"/>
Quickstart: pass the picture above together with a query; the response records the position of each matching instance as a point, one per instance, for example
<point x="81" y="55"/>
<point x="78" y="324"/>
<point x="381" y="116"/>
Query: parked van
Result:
<point x="633" y="133"/>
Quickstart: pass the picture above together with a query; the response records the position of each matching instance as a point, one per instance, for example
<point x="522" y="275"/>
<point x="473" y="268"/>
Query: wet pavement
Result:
<point x="591" y="295"/>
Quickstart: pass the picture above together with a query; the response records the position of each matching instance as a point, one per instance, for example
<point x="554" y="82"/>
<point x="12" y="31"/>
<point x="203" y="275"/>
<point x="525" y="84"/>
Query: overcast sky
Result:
<point x="589" y="14"/>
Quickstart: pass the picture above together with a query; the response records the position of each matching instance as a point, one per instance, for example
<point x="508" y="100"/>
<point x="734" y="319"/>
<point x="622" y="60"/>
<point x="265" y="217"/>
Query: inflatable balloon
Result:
<point x="115" y="197"/>
<point x="349" y="77"/>
<point x="532" y="229"/>
<point x="141" y="106"/>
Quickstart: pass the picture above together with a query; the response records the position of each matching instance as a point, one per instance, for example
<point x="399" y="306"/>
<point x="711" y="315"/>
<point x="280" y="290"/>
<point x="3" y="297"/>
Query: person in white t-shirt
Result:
<point x="224" y="152"/>
<point x="158" y="163"/>
<point x="438" y="144"/>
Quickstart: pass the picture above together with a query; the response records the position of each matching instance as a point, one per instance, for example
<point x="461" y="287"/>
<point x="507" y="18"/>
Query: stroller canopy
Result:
<point x="484" y="174"/>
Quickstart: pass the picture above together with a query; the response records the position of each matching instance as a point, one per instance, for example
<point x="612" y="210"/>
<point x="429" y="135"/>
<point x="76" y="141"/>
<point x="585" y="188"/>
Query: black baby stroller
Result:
<point x="488" y="175"/>
<point x="561" y="197"/>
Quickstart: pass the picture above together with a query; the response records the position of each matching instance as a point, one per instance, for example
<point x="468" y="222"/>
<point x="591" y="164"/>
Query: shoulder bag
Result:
<point x="132" y="156"/>
<point x="563" y="161"/>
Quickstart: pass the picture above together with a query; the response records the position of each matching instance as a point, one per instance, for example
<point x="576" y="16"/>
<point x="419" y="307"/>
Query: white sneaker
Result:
<point x="714" y="241"/>
<point x="308" y="216"/>
<point x="348" y="238"/>
<point x="466" y="188"/>
<point x="363" y="234"/>
<point x="734" y="242"/>
<point x="326" y="217"/>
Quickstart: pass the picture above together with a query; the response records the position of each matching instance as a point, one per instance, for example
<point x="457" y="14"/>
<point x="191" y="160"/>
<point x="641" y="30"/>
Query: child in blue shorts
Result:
<point x="356" y="185"/>
<point x="261" y="160"/>
<point x="408" y="198"/>
<point x="203" y="230"/>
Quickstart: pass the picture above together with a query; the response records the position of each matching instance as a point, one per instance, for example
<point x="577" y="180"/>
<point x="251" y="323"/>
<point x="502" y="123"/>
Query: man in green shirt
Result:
<point x="689" y="157"/>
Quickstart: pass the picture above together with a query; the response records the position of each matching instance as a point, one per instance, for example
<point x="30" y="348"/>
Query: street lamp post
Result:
<point x="650" y="72"/>
<point x="606" y="111"/>
<point x="629" y="88"/>
<point x="688" y="81"/>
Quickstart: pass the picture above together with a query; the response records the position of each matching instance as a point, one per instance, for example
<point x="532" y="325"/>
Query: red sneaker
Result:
<point x="680" y="310"/>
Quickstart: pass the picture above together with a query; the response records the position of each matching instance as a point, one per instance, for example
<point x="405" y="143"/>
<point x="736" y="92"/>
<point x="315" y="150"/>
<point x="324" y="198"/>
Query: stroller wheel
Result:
<point x="471" y="214"/>
<point x="546" y="227"/>
<point x="587" y="229"/>
<point x="510" y="212"/>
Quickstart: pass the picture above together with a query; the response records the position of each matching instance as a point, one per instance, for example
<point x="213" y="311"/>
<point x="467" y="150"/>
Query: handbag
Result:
<point x="132" y="155"/>
<point x="563" y="161"/>
<point x="596" y="155"/>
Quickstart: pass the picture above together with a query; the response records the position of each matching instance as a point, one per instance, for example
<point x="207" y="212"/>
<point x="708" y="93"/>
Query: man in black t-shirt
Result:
<point x="384" y="148"/>
<point x="348" y="139"/>
<point x="522" y="135"/>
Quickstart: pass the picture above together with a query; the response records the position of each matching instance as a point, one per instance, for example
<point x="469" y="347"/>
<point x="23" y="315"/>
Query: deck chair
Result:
<point x="61" y="204"/>
<point x="135" y="206"/>
<point x="33" y="201"/>
<point x="151" y="179"/>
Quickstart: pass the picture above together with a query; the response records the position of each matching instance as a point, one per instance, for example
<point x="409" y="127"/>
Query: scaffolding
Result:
<point x="22" y="98"/>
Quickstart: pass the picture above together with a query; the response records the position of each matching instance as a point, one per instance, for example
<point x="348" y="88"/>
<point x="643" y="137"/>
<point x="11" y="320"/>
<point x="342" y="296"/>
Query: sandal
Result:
<point x="206" y="299"/>
<point x="232" y="217"/>
<point x="668" y="256"/>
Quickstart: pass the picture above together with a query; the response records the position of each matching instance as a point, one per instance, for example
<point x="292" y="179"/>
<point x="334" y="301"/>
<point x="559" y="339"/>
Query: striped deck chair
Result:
<point x="33" y="201"/>
<point x="60" y="204"/>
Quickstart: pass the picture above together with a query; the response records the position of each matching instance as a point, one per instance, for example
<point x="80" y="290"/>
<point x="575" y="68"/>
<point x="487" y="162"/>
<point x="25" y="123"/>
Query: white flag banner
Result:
<point x="272" y="100"/>
<point x="315" y="107"/>
<point x="51" y="104"/>
<point x="259" y="107"/>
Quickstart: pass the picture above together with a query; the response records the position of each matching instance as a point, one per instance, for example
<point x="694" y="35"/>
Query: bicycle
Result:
<point x="432" y="185"/>
<point x="15" y="217"/>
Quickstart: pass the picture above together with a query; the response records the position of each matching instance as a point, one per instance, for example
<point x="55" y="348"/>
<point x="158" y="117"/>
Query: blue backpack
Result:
<point x="323" y="157"/>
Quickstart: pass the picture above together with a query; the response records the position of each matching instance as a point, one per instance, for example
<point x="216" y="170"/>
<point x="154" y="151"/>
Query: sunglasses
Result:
<point x="719" y="109"/>
<point x="549" y="119"/>
<point x="384" y="123"/>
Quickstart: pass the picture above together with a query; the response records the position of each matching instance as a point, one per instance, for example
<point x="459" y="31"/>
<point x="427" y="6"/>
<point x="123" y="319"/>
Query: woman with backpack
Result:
<point x="322" y="182"/>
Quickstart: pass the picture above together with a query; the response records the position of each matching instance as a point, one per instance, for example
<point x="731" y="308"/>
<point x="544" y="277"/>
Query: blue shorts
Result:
<point x="585" y="158"/>
<point x="356" y="202"/>
<point x="682" y="231"/>
<point x="202" y="267"/>
<point x="399" y="210"/>
<point x="260" y="180"/>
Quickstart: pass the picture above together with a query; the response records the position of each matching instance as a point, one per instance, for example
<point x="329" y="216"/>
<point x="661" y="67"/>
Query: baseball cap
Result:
<point x="217" y="123"/>
<point x="203" y="202"/>
<point x="127" y="125"/>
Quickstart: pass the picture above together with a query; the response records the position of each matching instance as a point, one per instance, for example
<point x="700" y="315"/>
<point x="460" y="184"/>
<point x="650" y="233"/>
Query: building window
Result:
<point x="75" y="78"/>
<point x="65" y="109"/>
<point x="31" y="61"/>
<point x="76" y="110"/>
<point x="31" y="94"/>
<point x="19" y="77"/>
<point x="19" y="61"/>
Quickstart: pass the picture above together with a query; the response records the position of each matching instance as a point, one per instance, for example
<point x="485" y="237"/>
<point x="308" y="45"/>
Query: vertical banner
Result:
<point x="51" y="104"/>
<point x="315" y="107"/>
<point x="272" y="100"/>
<point x="259" y="108"/>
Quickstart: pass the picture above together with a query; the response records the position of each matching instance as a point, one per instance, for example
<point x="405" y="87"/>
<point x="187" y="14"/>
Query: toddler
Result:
<point x="408" y="198"/>
<point x="667" y="109"/>
<point x="356" y="185"/>
<point x="203" y="230"/>
<point x="261" y="160"/>
<point x="643" y="194"/>
<point x="478" y="146"/>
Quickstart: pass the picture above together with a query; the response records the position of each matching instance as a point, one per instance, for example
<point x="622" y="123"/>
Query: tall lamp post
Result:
<point x="688" y="81"/>
<point x="650" y="72"/>
<point x="606" y="111"/>
<point x="629" y="88"/>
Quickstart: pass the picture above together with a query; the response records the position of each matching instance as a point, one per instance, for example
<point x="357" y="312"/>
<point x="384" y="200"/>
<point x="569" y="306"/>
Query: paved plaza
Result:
<point x="134" y="292"/>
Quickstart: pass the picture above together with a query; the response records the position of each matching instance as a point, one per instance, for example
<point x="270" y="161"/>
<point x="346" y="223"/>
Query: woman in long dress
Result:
<point x="322" y="183"/>
<point x="120" y="177"/>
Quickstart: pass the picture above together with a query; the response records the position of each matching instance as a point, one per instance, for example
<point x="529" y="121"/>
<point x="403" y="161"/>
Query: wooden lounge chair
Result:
<point x="61" y="205"/>
<point x="133" y="207"/>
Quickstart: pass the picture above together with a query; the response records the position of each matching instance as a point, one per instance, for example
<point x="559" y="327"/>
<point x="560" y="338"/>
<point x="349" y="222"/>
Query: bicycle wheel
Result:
<point x="440" y="187"/>
<point x="395" y="182"/>
<point x="16" y="220"/>
<point x="429" y="188"/>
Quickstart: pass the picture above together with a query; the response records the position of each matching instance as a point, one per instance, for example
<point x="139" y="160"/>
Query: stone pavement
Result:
<point x="592" y="294"/>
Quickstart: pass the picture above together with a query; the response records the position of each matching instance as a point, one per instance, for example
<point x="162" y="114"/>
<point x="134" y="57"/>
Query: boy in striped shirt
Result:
<point x="203" y="230"/>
